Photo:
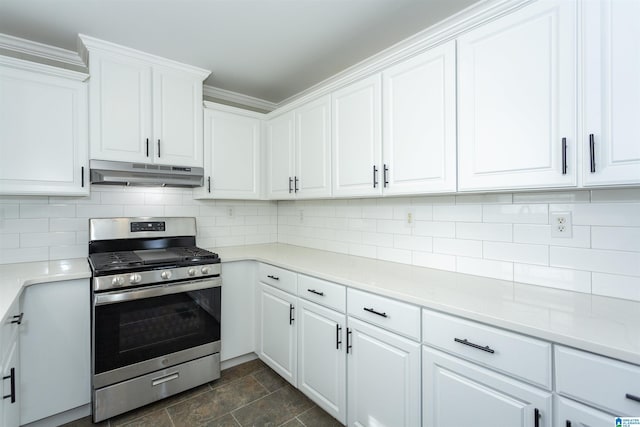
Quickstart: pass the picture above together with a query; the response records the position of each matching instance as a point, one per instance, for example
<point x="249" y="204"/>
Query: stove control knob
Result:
<point x="205" y="270"/>
<point x="166" y="274"/>
<point x="117" y="281"/>
<point x="135" y="278"/>
<point x="191" y="272"/>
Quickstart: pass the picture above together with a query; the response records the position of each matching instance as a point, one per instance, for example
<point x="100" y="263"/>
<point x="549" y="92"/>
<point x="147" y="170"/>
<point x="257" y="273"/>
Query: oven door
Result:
<point x="142" y="330"/>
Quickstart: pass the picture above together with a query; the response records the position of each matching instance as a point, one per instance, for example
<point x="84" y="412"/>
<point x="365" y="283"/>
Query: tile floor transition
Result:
<point x="250" y="394"/>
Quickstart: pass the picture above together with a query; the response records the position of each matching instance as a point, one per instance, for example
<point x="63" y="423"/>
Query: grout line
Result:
<point x="170" y="419"/>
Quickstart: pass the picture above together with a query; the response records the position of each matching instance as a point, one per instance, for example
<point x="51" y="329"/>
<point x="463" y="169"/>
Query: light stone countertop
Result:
<point x="603" y="325"/>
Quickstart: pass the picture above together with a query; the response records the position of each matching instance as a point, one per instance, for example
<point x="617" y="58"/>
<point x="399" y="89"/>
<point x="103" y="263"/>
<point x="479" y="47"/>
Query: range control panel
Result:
<point x="147" y="226"/>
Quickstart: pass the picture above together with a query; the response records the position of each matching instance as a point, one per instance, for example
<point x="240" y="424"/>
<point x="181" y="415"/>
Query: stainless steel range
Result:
<point x="155" y="312"/>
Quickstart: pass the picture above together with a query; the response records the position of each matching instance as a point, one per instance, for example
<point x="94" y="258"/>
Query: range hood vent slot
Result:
<point x="105" y="172"/>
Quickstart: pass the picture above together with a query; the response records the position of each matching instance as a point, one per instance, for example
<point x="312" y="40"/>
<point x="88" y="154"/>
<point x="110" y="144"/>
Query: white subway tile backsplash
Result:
<point x="434" y="228"/>
<point x="541" y="234"/>
<point x="433" y="260"/>
<point x="516" y="214"/>
<point x="57" y="238"/>
<point x="377" y="239"/>
<point x="68" y="224"/>
<point x="8" y="241"/>
<point x="516" y="252"/>
<point x="469" y="248"/>
<point x="617" y="215"/>
<point x="487" y="268"/>
<point x="468" y="213"/>
<point x="47" y="211"/>
<point x="66" y="252"/>
<point x="616" y="195"/>
<point x="484" y="231"/>
<point x="602" y="261"/>
<point x="616" y="238"/>
<point x="12" y="255"/>
<point x="582" y="196"/>
<point x="162" y="199"/>
<point x="144" y="210"/>
<point x="361" y="224"/>
<point x="484" y="198"/>
<point x="9" y="211"/>
<point x="99" y="211"/>
<point x="368" y="251"/>
<point x="181" y="210"/>
<point x="32" y="225"/>
<point x="402" y="256"/>
<point x="393" y="226"/>
<point x="413" y="243"/>
<point x="375" y="211"/>
<point x="552" y="277"/>
<point x="617" y="286"/>
<point x="121" y="198"/>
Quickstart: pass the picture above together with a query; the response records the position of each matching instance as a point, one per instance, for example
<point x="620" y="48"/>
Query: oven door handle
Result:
<point x="154" y="291"/>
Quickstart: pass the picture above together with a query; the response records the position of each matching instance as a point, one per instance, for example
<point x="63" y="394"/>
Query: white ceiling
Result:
<point x="268" y="49"/>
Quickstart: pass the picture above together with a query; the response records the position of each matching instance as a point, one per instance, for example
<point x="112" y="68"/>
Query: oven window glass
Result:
<point x="135" y="331"/>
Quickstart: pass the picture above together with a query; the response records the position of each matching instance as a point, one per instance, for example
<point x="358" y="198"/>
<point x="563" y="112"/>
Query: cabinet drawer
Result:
<point x="278" y="277"/>
<point x="608" y="384"/>
<point x="8" y="330"/>
<point x="514" y="354"/>
<point x="322" y="292"/>
<point x="390" y="314"/>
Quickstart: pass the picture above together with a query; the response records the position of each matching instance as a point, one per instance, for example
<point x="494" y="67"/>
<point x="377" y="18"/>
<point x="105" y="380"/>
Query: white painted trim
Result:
<point x="91" y="43"/>
<point x="41" y="50"/>
<point x="235" y="110"/>
<point x="238" y="98"/>
<point x="21" y="64"/>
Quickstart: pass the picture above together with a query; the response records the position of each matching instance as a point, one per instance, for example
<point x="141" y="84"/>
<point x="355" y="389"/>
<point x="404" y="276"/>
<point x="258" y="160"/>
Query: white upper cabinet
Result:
<point x="419" y="123"/>
<point x="611" y="70"/>
<point x="43" y="130"/>
<point x="143" y="108"/>
<point x="231" y="154"/>
<point x="517" y="100"/>
<point x="280" y="137"/>
<point x="356" y="138"/>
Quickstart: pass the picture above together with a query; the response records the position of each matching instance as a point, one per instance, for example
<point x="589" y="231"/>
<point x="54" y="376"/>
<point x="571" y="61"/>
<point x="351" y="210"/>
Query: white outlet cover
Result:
<point x="561" y="224"/>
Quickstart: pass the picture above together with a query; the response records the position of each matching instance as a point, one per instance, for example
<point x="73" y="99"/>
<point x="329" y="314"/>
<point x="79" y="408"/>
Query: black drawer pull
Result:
<point x="371" y="310"/>
<point x="11" y="376"/>
<point x="536" y="419"/>
<point x="568" y="423"/>
<point x="290" y="182"/>
<point x="349" y="341"/>
<point x="632" y="397"/>
<point x="338" y="340"/>
<point x="291" y="319"/>
<point x="273" y="277"/>
<point x="313" y="291"/>
<point x="375" y="176"/>
<point x="478" y="346"/>
<point x="17" y="319"/>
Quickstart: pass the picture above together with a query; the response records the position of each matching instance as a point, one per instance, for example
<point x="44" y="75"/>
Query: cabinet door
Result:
<point x="120" y="108"/>
<point x="56" y="324"/>
<point x="10" y="411"/>
<point x="239" y="309"/>
<point x="356" y="139"/>
<point x="612" y="92"/>
<point x="568" y="413"/>
<point x="313" y="149"/>
<point x="177" y="118"/>
<point x="419" y="122"/>
<point x="280" y="138"/>
<point x="383" y="377"/>
<point x="459" y="393"/>
<point x="278" y="338"/>
<point x="43" y="133"/>
<point x="517" y="100"/>
<point x="321" y="358"/>
<point x="232" y="155"/>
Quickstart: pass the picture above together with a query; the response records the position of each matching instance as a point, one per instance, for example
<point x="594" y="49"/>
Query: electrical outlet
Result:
<point x="561" y="225"/>
<point x="409" y="218"/>
<point x="231" y="212"/>
<point x="301" y="216"/>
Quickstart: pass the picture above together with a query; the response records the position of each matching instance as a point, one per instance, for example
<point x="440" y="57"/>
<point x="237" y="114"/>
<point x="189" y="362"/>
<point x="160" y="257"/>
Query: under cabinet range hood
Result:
<point x="104" y="172"/>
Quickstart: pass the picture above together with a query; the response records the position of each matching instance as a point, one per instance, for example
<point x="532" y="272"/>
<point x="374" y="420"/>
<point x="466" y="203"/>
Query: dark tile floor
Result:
<point x="250" y="394"/>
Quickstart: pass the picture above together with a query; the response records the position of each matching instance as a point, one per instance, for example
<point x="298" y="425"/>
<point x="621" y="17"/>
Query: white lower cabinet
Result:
<point x="277" y="334"/>
<point x="459" y="393"/>
<point x="55" y="349"/>
<point x="567" y="413"/>
<point x="10" y="405"/>
<point x="322" y="363"/>
<point x="383" y="387"/>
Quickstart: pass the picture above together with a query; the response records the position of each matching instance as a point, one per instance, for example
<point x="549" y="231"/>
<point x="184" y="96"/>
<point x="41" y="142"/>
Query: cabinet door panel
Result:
<point x="356" y="139"/>
<point x="419" y="123"/>
<point x="516" y="100"/>
<point x="313" y="148"/>
<point x="612" y="92"/>
<point x="120" y="108"/>
<point x="280" y="138"/>
<point x="10" y="411"/>
<point x="177" y="112"/>
<point x="567" y="411"/>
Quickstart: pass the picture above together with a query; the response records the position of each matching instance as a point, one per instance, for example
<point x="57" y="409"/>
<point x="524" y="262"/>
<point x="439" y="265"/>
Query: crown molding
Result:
<point x="41" y="50"/>
<point x="24" y="65"/>
<point x="230" y="109"/>
<point x="238" y="98"/>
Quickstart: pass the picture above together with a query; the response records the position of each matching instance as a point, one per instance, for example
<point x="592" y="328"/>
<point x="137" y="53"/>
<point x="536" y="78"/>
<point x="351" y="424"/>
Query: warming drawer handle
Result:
<point x="273" y="277"/>
<point x="371" y="310"/>
<point x="11" y="376"/>
<point x="313" y="291"/>
<point x="632" y="397"/>
<point x="162" y="380"/>
<point x="478" y="346"/>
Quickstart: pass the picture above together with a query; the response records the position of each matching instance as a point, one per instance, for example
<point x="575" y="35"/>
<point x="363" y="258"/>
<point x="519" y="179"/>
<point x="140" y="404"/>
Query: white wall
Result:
<point x="48" y="228"/>
<point x="506" y="236"/>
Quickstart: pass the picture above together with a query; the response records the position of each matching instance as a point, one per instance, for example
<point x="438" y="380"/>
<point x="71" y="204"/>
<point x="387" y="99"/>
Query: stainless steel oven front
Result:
<point x="153" y="341"/>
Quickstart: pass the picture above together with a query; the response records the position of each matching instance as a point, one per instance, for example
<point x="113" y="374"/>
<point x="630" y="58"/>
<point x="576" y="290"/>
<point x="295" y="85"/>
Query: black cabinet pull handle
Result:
<point x="478" y="346"/>
<point x="568" y="423"/>
<point x="338" y="340"/>
<point x="147" y="147"/>
<point x="295" y="184"/>
<point x="17" y="319"/>
<point x="385" y="171"/>
<point x="11" y="395"/>
<point x="349" y="341"/>
<point x="536" y="415"/>
<point x="158" y="148"/>
<point x="592" y="152"/>
<point x="290" y="185"/>
<point x="564" y="156"/>
<point x="313" y="291"/>
<point x="82" y="177"/>
<point x="371" y="310"/>
<point x="273" y="277"/>
<point x="375" y="176"/>
<point x="632" y="397"/>
<point x="209" y="184"/>
<point x="291" y="319"/>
